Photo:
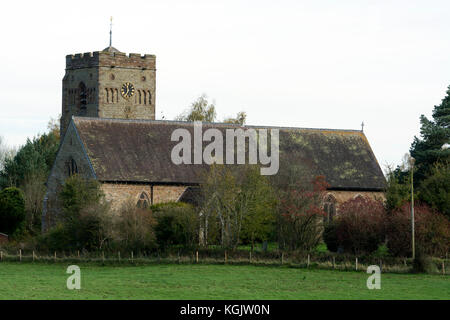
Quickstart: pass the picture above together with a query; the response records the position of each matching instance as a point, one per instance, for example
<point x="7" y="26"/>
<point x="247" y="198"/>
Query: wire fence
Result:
<point x="233" y="257"/>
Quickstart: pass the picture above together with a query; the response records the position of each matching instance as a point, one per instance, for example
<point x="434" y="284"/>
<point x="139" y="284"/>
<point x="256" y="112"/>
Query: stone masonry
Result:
<point x="93" y="81"/>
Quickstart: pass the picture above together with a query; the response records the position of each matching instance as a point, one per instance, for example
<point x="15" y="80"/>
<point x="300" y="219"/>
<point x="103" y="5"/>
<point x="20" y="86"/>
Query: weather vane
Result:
<point x="362" y="126"/>
<point x="110" y="32"/>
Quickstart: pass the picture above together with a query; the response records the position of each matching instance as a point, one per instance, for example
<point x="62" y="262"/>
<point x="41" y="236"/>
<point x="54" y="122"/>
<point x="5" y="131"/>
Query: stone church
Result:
<point x="109" y="133"/>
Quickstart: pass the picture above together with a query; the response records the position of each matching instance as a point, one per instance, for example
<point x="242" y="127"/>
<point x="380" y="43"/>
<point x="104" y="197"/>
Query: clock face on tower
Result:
<point x="127" y="90"/>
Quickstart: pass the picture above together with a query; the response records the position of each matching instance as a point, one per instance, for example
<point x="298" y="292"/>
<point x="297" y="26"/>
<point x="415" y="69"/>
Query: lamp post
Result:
<point x="412" y="208"/>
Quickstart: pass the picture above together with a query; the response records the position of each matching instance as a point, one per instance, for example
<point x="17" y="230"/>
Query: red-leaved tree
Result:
<point x="300" y="210"/>
<point x="432" y="231"/>
<point x="359" y="225"/>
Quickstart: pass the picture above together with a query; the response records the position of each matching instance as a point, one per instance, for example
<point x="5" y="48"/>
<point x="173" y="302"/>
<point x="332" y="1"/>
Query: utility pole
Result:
<point x="412" y="208"/>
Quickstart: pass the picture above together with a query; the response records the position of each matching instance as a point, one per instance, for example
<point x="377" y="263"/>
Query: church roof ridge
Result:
<point x="221" y="124"/>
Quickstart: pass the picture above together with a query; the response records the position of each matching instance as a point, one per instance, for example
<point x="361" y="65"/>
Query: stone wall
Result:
<point x="119" y="193"/>
<point x="342" y="196"/>
<point x="103" y="74"/>
<point x="71" y="149"/>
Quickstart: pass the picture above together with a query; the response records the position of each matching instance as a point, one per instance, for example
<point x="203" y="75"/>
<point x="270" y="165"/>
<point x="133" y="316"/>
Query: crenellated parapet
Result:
<point x="110" y="59"/>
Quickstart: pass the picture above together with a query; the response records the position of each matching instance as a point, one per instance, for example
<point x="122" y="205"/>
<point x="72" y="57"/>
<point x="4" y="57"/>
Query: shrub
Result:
<point x="360" y="225"/>
<point x="423" y="263"/>
<point x="12" y="211"/>
<point x="432" y="231"/>
<point x="56" y="239"/>
<point x="85" y="222"/>
<point x="136" y="228"/>
<point x="330" y="236"/>
<point x="176" y="224"/>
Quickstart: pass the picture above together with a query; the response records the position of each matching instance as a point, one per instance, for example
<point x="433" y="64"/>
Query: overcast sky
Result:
<point x="320" y="64"/>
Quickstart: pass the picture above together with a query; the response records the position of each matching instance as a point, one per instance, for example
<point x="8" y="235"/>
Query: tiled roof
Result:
<point x="140" y="151"/>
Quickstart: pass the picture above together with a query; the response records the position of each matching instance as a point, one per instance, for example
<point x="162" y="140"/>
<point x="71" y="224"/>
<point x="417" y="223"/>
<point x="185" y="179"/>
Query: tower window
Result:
<point x="82" y="96"/>
<point x="143" y="202"/>
<point x="145" y="97"/>
<point x="149" y="97"/>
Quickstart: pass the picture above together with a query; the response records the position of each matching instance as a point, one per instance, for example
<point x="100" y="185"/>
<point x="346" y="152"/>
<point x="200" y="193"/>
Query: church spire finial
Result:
<point x="110" y="32"/>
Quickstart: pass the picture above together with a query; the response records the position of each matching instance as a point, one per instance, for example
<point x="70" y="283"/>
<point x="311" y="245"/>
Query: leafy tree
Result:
<point x="234" y="195"/>
<point x="35" y="157"/>
<point x="12" y="211"/>
<point x="85" y="214"/>
<point x="434" y="134"/>
<point x="258" y="201"/>
<point x="435" y="189"/>
<point x="28" y="169"/>
<point x="241" y="117"/>
<point x="200" y="110"/>
<point x="205" y="111"/>
<point x="176" y="223"/>
<point x="398" y="190"/>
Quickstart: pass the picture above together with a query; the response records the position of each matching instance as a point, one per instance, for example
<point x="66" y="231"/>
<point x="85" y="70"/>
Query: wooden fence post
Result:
<point x="33" y="255"/>
<point x="334" y="262"/>
<point x="131" y="256"/>
<point x="55" y="256"/>
<point x="308" y="261"/>
<point x="443" y="267"/>
<point x="356" y="263"/>
<point x="20" y="254"/>
<point x="103" y="256"/>
<point x="78" y="253"/>
<point x="282" y="257"/>
<point x="196" y="256"/>
<point x="119" y="255"/>
<point x="226" y="258"/>
<point x="250" y="256"/>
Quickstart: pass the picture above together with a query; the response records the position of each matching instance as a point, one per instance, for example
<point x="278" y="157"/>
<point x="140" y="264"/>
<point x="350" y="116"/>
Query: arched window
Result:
<point x="82" y="96"/>
<point x="116" y="93"/>
<point x="140" y="96"/>
<point x="358" y="197"/>
<point x="145" y="96"/>
<point x="72" y="167"/>
<point x="149" y="97"/>
<point x="107" y="95"/>
<point x="329" y="206"/>
<point x="143" y="202"/>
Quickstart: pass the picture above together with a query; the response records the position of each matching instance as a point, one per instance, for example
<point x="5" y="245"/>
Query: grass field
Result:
<point x="48" y="281"/>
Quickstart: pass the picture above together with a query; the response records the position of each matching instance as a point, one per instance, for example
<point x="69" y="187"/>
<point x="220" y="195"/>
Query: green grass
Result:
<point x="48" y="281"/>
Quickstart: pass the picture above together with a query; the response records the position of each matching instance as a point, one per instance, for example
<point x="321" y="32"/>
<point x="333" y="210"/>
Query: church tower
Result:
<point x="108" y="84"/>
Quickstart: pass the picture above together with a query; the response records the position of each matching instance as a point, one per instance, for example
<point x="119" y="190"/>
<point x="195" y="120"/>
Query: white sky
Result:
<point x="327" y="64"/>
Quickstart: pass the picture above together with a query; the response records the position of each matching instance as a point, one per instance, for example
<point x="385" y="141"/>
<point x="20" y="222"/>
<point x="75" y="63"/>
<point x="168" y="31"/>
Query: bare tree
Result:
<point x="34" y="192"/>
